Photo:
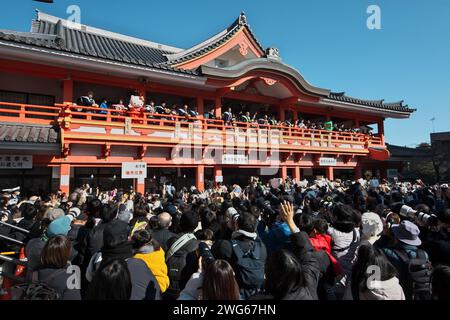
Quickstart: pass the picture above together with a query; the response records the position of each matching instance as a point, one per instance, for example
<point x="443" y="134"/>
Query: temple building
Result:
<point x="49" y="142"/>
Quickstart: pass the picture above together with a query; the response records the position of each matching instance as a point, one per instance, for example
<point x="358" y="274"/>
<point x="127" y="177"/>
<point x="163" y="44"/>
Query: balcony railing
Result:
<point x="67" y="115"/>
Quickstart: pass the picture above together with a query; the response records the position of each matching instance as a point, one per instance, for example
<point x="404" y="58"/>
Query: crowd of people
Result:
<point x="284" y="240"/>
<point x="185" y="112"/>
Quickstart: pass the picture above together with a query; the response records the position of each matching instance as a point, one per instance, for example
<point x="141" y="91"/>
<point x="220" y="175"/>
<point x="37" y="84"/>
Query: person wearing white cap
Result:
<point x="371" y="227"/>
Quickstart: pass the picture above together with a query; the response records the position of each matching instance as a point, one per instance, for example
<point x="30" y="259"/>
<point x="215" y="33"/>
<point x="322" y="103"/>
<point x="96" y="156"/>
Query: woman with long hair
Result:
<point x="219" y="282"/>
<point x="374" y="277"/>
<point x="112" y="281"/>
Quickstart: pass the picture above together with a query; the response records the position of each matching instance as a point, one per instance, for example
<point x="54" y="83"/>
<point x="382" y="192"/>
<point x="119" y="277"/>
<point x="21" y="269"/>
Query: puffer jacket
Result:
<point x="155" y="261"/>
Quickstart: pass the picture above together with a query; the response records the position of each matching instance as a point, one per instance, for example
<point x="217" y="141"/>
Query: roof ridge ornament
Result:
<point x="242" y="19"/>
<point x="273" y="53"/>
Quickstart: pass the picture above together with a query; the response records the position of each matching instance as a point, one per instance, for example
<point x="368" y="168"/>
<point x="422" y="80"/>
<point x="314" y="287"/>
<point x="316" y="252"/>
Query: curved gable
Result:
<point x="229" y="47"/>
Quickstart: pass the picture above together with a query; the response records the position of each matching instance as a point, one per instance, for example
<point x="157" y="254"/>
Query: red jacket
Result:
<point x="323" y="242"/>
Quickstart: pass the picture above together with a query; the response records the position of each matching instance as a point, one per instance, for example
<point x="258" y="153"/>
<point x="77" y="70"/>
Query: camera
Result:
<point x="410" y="213"/>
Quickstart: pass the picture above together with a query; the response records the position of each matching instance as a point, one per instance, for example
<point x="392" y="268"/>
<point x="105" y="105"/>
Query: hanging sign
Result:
<point x="327" y="162"/>
<point x="16" y="161"/>
<point x="134" y="170"/>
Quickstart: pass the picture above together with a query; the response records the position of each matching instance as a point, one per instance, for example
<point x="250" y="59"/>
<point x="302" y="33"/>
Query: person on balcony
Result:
<point x="210" y="115"/>
<point x="287" y="123"/>
<point x="227" y="116"/>
<point x="120" y="107"/>
<point x="86" y="101"/>
<point x="120" y="110"/>
<point x="104" y="106"/>
<point x="263" y="120"/>
<point x="184" y="112"/>
<point x="301" y="124"/>
<point x="192" y="112"/>
<point x="161" y="109"/>
<point x="246" y="117"/>
<point x="150" y="108"/>
<point x="273" y="121"/>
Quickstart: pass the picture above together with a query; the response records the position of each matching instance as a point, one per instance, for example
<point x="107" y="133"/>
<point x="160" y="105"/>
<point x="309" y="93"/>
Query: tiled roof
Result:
<point x="213" y="42"/>
<point x="58" y="36"/>
<point x="28" y="133"/>
<point x="440" y="136"/>
<point x="405" y="152"/>
<point x="380" y="104"/>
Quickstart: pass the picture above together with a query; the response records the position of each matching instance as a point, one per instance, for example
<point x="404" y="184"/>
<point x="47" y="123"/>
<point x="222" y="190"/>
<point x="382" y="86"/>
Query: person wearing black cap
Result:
<point x="116" y="245"/>
<point x="181" y="257"/>
<point x="244" y="248"/>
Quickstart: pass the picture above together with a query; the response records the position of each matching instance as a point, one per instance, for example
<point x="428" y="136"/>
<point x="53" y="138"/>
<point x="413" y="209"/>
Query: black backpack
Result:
<point x="36" y="290"/>
<point x="417" y="280"/>
<point x="249" y="268"/>
<point x="175" y="267"/>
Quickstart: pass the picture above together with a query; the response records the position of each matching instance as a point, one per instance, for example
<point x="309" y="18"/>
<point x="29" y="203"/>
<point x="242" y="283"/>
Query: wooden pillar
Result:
<point x="64" y="179"/>
<point x="381" y="130"/>
<point x="200" y="177"/>
<point x="68" y="91"/>
<point x="282" y="113"/>
<point x="218" y="107"/>
<point x="297" y="175"/>
<point x="142" y="92"/>
<point x="357" y="124"/>
<point x="217" y="173"/>
<point x="200" y="107"/>
<point x="140" y="185"/>
<point x="283" y="172"/>
<point x="330" y="173"/>
<point x="295" y="115"/>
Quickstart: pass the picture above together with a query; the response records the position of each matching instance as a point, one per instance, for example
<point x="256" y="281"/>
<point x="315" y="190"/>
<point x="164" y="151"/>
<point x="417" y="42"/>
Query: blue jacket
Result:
<point x="103" y="106"/>
<point x="275" y="237"/>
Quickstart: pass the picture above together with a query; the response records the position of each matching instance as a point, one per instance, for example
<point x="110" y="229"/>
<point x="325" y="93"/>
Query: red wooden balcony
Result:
<point x="88" y="125"/>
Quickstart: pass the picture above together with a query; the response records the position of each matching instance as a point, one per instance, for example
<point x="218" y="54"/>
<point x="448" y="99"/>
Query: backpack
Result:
<point x="249" y="268"/>
<point x="176" y="262"/>
<point x="417" y="283"/>
<point x="36" y="290"/>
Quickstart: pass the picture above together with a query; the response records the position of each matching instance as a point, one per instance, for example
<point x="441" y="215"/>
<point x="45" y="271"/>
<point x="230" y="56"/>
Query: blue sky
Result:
<point x="326" y="40"/>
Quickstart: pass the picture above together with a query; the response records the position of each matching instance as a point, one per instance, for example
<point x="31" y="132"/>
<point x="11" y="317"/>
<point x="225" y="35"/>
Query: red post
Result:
<point x="218" y="107"/>
<point x="297" y="175"/>
<point x="282" y="112"/>
<point x="64" y="180"/>
<point x="68" y="91"/>
<point x="330" y="173"/>
<point x="200" y="177"/>
<point x="140" y="185"/>
<point x="381" y="130"/>
<point x="283" y="172"/>
<point x="295" y="115"/>
<point x="217" y="173"/>
<point x="200" y="107"/>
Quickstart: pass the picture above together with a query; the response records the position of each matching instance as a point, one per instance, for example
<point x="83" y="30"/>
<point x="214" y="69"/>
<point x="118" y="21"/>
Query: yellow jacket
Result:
<point x="156" y="262"/>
